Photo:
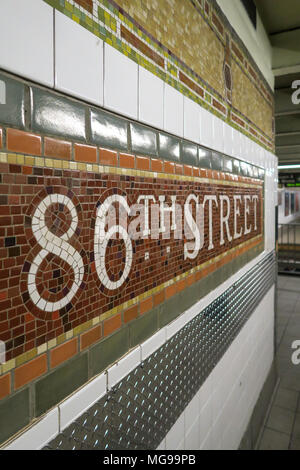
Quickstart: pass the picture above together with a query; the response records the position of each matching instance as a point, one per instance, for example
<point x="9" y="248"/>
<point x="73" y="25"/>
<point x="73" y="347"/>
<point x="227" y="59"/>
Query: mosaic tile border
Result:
<point x="189" y="277"/>
<point x="110" y="23"/>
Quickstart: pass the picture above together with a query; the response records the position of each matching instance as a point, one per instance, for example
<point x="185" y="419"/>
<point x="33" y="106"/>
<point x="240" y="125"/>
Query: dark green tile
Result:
<point x="12" y="97"/>
<point x="189" y="154"/>
<point x="216" y="161"/>
<point x="261" y="173"/>
<point x="108" y="130"/>
<point x="56" y="115"/>
<point x="255" y="172"/>
<point x="250" y="171"/>
<point x="204" y="156"/>
<point x="236" y="169"/>
<point x="143" y="327"/>
<point x="143" y="140"/>
<point x="14" y="414"/>
<point x="108" y="351"/>
<point x="169" y="311"/>
<point x="169" y="147"/>
<point x="244" y="168"/>
<point x="227" y="164"/>
<point x="60" y="383"/>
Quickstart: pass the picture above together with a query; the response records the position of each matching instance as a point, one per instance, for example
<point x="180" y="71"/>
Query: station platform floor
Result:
<point x="282" y="425"/>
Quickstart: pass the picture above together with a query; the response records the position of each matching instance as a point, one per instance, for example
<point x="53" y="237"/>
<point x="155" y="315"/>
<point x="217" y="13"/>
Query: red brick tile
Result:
<point x="157" y="165"/>
<point x="23" y="142"/>
<point x="87" y="4"/>
<point x="90" y="337"/>
<point x="130" y="314"/>
<point x="143" y="163"/>
<point x="159" y="298"/>
<point x="196" y="171"/>
<point x="170" y="291"/>
<point x="63" y="352"/>
<point x="178" y="169"/>
<point x="5" y="381"/>
<point x="112" y="324"/>
<point x="188" y="170"/>
<point x="27" y="170"/>
<point x="169" y="167"/>
<point x="57" y="148"/>
<point x="108" y="157"/>
<point x="85" y="153"/>
<point x="126" y="160"/>
<point x="30" y="371"/>
<point x="146" y="305"/>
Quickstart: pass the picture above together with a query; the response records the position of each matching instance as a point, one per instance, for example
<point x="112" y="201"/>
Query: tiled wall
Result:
<point x="202" y="133"/>
<point x="288" y="210"/>
<point x="150" y="54"/>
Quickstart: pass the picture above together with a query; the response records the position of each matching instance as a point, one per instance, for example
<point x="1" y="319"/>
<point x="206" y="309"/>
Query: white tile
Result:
<point x="180" y="446"/>
<point x="151" y="99"/>
<point x="120" y="82"/>
<point x="191" y="130"/>
<point x="26" y="35"/>
<point x="118" y="371"/>
<point x="206" y="444"/>
<point x="205" y="421"/>
<point x="192" y="412"/>
<point x="175" y="326"/>
<point x="206" y="128"/>
<point x="218" y="134"/>
<point x="236" y="144"/>
<point x="175" y="436"/>
<point x="162" y="445"/>
<point x="81" y="76"/>
<point x="153" y="343"/>
<point x="228" y="140"/>
<point x="192" y="437"/>
<point x="173" y="111"/>
<point x="36" y="437"/>
<point x="78" y="403"/>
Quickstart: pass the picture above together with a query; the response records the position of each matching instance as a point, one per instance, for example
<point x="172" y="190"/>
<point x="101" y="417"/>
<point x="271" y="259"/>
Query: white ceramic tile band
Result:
<point x="39" y="434"/>
<point x="26" y="36"/>
<point x="78" y="75"/>
<point x="151" y="99"/>
<point x="82" y="400"/>
<point x="120" y="82"/>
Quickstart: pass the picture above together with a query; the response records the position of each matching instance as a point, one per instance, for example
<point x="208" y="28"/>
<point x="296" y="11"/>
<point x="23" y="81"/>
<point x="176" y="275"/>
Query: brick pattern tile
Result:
<point x="108" y="157"/>
<point x="85" y="153"/>
<point x="30" y="371"/>
<point x="5" y="384"/>
<point x="23" y="142"/>
<point x="87" y="4"/>
<point x="90" y="337"/>
<point x="63" y="352"/>
<point x="57" y="148"/>
<point x="127" y="161"/>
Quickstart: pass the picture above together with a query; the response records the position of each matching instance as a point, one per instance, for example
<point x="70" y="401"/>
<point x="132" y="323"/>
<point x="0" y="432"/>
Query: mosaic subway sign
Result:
<point x="80" y="245"/>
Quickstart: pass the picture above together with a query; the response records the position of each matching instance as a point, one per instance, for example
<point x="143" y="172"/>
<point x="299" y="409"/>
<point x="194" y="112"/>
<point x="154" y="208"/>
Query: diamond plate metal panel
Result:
<point x="140" y="410"/>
